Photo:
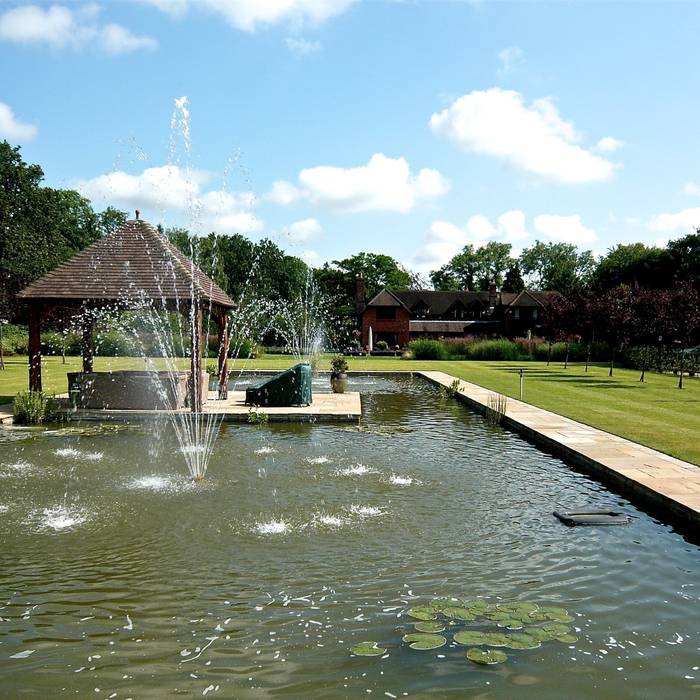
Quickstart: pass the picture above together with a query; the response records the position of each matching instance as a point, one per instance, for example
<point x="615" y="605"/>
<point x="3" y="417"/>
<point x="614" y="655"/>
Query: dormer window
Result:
<point x="386" y="313"/>
<point x="421" y="310"/>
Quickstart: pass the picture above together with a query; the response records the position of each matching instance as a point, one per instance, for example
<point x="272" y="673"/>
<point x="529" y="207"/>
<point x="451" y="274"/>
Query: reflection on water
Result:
<point x="120" y="576"/>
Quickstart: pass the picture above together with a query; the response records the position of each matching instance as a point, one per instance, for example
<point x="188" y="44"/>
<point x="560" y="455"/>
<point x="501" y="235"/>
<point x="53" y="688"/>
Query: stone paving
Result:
<point x="326" y="407"/>
<point x="659" y="479"/>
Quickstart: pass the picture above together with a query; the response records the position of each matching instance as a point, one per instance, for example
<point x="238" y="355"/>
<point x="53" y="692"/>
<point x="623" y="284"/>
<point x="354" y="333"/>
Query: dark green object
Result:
<point x="289" y="388"/>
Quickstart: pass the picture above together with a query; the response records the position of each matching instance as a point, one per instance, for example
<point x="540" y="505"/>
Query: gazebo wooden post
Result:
<point x="35" y="312"/>
<point x="222" y="319"/>
<point x="87" y="347"/>
<point x="196" y="319"/>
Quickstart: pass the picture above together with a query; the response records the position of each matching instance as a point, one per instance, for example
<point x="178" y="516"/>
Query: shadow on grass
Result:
<point x="6" y="399"/>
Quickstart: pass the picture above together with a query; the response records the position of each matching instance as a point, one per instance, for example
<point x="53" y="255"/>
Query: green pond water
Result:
<point x="119" y="578"/>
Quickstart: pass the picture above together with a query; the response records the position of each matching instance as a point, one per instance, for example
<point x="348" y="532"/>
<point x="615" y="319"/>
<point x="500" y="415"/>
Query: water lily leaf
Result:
<point x="475" y="604"/>
<point x="511" y="624"/>
<point x="562" y="616"/>
<point x="419" y="640"/>
<point x="439" y="604"/>
<point x="430" y="627"/>
<point x="486" y="658"/>
<point x="495" y="639"/>
<point x="469" y="637"/>
<point x="538" y="616"/>
<point x="367" y="649"/>
<point x="458" y="613"/>
<point x="567" y="638"/>
<point x="422" y="612"/>
<point x="540" y="634"/>
<point x="523" y="640"/>
<point x="556" y="629"/>
<point x="497" y="615"/>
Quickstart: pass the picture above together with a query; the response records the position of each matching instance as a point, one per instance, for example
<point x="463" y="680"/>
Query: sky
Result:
<point x="337" y="126"/>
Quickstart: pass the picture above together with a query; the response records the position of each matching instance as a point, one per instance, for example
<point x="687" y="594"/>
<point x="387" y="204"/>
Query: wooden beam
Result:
<point x="222" y="320"/>
<point x="35" y="311"/>
<point x="196" y="319"/>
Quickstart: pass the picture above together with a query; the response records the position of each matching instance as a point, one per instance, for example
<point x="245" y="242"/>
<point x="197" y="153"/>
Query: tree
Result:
<point x="379" y="271"/>
<point x="493" y="260"/>
<point x="635" y="264"/>
<point x="513" y="281"/>
<point x="474" y="268"/>
<point x="40" y="227"/>
<point x="557" y="267"/>
<point x="686" y="258"/>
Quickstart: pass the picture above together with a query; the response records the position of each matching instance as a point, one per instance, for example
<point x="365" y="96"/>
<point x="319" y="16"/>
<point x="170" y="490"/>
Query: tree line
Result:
<point x="634" y="291"/>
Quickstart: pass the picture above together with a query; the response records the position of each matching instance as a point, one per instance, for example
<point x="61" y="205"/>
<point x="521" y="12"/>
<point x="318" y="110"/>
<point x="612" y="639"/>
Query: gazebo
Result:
<point x="133" y="264"/>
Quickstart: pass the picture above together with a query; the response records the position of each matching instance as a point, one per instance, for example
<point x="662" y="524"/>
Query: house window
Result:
<point x="534" y="314"/>
<point x="516" y="312"/>
<point x="421" y="311"/>
<point x="386" y="313"/>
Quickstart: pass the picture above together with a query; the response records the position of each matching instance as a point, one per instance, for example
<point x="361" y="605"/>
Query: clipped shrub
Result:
<point x="34" y="407"/>
<point x="428" y="350"/>
<point x="497" y="349"/>
<point x="381" y="345"/>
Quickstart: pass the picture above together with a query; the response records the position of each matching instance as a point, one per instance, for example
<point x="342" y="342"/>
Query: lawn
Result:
<point x="654" y="413"/>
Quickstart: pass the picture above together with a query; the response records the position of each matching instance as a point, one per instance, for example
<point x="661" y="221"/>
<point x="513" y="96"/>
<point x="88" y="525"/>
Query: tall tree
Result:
<point x="635" y="264"/>
<point x="379" y="271"/>
<point x="558" y="267"/>
<point x="686" y="257"/>
<point x="513" y="281"/>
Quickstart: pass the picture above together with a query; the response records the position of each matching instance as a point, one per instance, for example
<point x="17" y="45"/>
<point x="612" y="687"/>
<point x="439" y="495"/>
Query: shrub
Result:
<point x="55" y="343"/>
<point x="34" y="407"/>
<point x="458" y="349"/>
<point x="381" y="345"/>
<point x="498" y="349"/>
<point x="428" y="350"/>
<point x="339" y="364"/>
<point x="15" y="340"/>
<point x="244" y="348"/>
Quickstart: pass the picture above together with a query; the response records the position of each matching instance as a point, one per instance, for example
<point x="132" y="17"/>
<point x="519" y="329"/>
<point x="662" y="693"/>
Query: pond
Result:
<point x="121" y="578"/>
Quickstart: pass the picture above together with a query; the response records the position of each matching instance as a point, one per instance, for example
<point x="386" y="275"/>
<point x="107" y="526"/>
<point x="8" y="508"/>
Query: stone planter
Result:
<point x="339" y="382"/>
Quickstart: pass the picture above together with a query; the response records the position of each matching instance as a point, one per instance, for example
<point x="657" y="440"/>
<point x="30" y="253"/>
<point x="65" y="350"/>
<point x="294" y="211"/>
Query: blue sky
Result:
<point x="333" y="126"/>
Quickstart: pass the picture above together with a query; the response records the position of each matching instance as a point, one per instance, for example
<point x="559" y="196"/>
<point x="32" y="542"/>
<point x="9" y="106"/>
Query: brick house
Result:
<point x="399" y="316"/>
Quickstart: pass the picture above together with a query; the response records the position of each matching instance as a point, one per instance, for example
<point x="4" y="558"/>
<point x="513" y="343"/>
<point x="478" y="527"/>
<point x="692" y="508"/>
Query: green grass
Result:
<point x="654" y="413"/>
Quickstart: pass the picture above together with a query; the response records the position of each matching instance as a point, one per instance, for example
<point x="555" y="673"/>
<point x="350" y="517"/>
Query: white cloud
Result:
<point x="62" y="27"/>
<point x="248" y="15"/>
<point x="445" y="239"/>
<point x="304" y="230"/>
<point x="13" y="129"/>
<point x="302" y="47"/>
<point x="384" y="184"/>
<point x="311" y="258"/>
<point x="692" y="188"/>
<point x="532" y="138"/>
<point x="568" y="229"/>
<point x="511" y="59"/>
<point x="283" y="193"/>
<point x="169" y="187"/>
<point x="608" y="144"/>
<point x="684" y="221"/>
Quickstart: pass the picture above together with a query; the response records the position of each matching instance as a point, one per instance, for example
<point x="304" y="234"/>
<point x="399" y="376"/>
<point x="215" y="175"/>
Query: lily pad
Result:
<point x="567" y="638"/>
<point x="523" y="640"/>
<point x="540" y="634"/>
<point x="511" y="624"/>
<point x="422" y="612"/>
<point x="418" y="640"/>
<point x="497" y="615"/>
<point x="439" y="604"/>
<point x="367" y="649"/>
<point x="475" y="604"/>
<point x="495" y="639"/>
<point x="458" y="613"/>
<point x="555" y="629"/>
<point x="562" y="616"/>
<point x="486" y="658"/>
<point x="469" y="637"/>
<point x="538" y="616"/>
<point x="429" y="627"/>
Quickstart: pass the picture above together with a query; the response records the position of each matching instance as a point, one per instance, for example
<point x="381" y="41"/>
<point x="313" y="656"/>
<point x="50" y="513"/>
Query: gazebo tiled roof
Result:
<point x="133" y="262"/>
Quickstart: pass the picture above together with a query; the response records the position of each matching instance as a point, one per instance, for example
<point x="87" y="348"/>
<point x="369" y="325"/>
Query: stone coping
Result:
<point x="657" y="478"/>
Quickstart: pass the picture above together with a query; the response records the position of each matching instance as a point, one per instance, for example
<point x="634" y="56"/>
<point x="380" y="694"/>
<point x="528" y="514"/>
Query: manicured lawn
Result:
<point x="654" y="413"/>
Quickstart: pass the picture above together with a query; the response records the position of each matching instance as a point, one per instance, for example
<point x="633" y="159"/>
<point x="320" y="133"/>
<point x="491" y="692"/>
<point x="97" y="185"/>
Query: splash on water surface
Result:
<point x="272" y="527"/>
<point x="318" y="460"/>
<point x="73" y="453"/>
<point x="60" y="518"/>
<point x="357" y="470"/>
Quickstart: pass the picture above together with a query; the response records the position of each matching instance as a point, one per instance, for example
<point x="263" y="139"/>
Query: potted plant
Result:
<point x="339" y="378"/>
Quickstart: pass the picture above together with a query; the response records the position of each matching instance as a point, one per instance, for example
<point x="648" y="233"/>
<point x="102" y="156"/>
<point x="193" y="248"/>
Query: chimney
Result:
<point x="493" y="292"/>
<point x="138" y="215"/>
<point x="359" y="293"/>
